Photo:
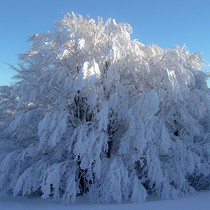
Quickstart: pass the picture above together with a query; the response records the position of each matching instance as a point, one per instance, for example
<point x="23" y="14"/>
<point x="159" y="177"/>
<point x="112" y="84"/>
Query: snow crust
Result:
<point x="197" y="201"/>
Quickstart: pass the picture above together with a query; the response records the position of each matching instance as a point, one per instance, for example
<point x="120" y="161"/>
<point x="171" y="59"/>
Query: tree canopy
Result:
<point x="95" y="112"/>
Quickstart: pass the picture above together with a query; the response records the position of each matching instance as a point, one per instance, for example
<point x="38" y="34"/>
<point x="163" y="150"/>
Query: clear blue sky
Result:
<point x="162" y="22"/>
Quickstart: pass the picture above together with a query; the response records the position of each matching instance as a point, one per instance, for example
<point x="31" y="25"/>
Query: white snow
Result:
<point x="132" y="120"/>
<point x="197" y="201"/>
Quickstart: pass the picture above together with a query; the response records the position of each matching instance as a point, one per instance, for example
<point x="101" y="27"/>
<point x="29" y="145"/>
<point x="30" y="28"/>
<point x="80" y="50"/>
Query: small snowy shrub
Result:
<point x="94" y="112"/>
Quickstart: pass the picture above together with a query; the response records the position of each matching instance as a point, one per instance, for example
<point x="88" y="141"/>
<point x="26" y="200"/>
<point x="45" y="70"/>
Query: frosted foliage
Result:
<point x="51" y="131"/>
<point x="95" y="113"/>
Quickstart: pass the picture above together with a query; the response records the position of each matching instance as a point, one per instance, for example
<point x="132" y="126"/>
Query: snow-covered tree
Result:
<point x="94" y="112"/>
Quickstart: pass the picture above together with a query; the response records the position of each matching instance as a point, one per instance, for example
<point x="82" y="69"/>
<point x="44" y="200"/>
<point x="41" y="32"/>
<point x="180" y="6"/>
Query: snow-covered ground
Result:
<point x="197" y="201"/>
